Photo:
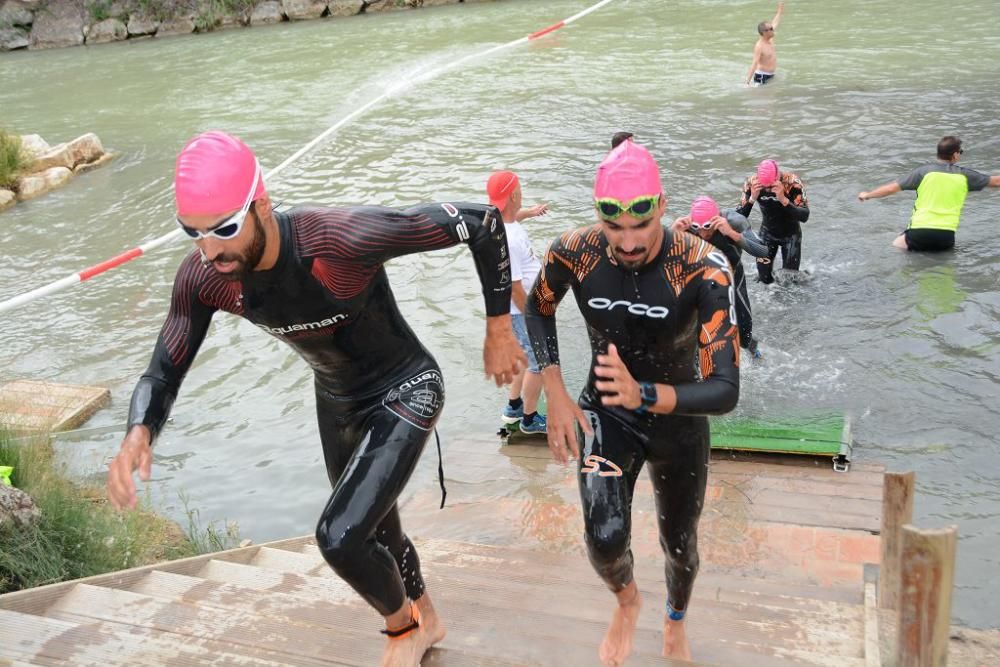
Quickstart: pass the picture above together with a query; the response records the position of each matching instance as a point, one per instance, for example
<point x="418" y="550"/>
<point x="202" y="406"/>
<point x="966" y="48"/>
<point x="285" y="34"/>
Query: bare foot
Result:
<point x="407" y="651"/>
<point x="675" y="642"/>
<point x="617" y="644"/>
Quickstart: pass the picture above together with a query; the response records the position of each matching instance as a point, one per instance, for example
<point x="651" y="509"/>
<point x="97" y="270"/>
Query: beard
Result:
<point x="247" y="260"/>
<point x="635" y="260"/>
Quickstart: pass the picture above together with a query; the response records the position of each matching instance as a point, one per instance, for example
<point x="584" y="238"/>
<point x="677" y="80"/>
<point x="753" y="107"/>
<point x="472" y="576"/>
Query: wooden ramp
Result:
<point x="781" y="583"/>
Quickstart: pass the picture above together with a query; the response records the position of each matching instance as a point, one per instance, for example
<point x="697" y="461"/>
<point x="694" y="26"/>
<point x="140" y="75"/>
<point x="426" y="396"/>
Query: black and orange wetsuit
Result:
<point x="662" y="317"/>
<point x="781" y="226"/>
<point x="379" y="392"/>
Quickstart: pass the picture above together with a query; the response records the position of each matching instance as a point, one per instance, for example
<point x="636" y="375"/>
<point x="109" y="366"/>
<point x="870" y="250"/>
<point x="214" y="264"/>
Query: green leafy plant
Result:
<point x="13" y="159"/>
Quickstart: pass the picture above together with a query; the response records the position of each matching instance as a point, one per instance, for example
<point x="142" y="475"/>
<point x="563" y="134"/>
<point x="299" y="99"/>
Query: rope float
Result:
<point x="138" y="251"/>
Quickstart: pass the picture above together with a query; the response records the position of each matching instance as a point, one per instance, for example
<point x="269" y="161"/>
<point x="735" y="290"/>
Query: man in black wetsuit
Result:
<point x="783" y="207"/>
<point x="650" y="297"/>
<point x="314" y="278"/>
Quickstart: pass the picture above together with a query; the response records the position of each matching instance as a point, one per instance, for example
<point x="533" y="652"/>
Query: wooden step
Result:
<point x="49" y="641"/>
<point x="724" y="626"/>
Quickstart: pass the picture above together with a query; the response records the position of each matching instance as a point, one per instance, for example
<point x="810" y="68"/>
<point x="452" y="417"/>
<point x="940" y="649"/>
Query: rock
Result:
<point x="30" y="5"/>
<point x="85" y="148"/>
<point x="13" y="38"/>
<point x="57" y="156"/>
<point x="59" y="24"/>
<point x="346" y="7"/>
<point x="90" y="166"/>
<point x="17" y="506"/>
<point x="139" y="25"/>
<point x="267" y="12"/>
<point x="29" y="187"/>
<point x="390" y="5"/>
<point x="34" y="145"/>
<point x="108" y="30"/>
<point x="7" y="199"/>
<point x="303" y="9"/>
<point x="15" y="14"/>
<point x="179" y="25"/>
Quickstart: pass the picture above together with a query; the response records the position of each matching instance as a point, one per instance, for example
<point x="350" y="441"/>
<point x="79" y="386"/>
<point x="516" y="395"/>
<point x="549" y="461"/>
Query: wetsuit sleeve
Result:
<point x="181" y="336"/>
<point x="718" y="354"/>
<point x="752" y="243"/>
<point x="553" y="281"/>
<point x="976" y="180"/>
<point x="798" y="205"/>
<point x="379" y="234"/>
<point x="745" y="204"/>
<point x="736" y="220"/>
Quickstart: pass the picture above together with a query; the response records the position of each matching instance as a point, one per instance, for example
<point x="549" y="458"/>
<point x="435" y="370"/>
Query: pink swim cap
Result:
<point x="214" y="174"/>
<point x="767" y="172"/>
<point x="627" y="172"/>
<point x="703" y="209"/>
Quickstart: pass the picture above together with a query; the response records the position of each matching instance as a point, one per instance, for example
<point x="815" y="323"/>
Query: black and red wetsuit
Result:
<point x="379" y="392"/>
<point x="662" y="317"/>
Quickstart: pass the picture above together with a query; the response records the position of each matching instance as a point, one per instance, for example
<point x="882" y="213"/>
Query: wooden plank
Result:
<point x="800" y="632"/>
<point x="873" y="655"/>
<point x="897" y="510"/>
<point x="927" y="575"/>
<point x="49" y="641"/>
<point x="30" y="405"/>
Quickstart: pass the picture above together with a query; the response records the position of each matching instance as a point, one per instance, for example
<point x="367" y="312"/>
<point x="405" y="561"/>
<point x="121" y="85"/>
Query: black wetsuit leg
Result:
<point x="677" y="459"/>
<point x="610" y="461"/>
<point x="744" y="317"/>
<point x="791" y="252"/>
<point x="371" y="448"/>
<point x="676" y="448"/>
<point x="765" y="265"/>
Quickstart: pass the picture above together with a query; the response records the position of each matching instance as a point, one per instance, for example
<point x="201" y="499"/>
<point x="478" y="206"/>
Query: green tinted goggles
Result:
<point x="609" y="208"/>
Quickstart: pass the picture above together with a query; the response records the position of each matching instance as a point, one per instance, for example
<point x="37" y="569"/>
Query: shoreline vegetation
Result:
<point x="76" y="533"/>
<point x="47" y="24"/>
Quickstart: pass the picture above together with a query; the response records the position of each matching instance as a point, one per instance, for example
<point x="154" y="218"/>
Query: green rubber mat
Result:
<point x="818" y="435"/>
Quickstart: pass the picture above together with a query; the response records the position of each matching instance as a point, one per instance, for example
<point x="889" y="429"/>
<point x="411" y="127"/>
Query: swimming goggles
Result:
<point x="229" y="227"/>
<point x="698" y="226"/>
<point x="610" y="208"/>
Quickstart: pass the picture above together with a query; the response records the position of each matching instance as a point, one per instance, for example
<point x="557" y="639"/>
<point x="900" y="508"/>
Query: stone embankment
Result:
<point x="53" y="166"/>
<point x="46" y="24"/>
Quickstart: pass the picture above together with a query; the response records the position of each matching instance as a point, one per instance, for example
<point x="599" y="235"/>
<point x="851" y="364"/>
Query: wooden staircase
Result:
<point x="279" y="604"/>
<point x="776" y="587"/>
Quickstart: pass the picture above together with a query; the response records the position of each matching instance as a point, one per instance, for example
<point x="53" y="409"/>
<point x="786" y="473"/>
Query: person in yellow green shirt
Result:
<point x="941" y="189"/>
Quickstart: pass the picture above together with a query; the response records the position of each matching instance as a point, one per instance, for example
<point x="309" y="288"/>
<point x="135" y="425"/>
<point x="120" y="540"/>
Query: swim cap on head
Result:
<point x="767" y="172"/>
<point x="500" y="187"/>
<point x="627" y="172"/>
<point x="214" y="174"/>
<point x="703" y="209"/>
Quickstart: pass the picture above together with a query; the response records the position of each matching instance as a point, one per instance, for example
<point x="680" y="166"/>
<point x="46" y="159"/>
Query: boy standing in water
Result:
<point x="765" y="58"/>
<point x="504" y="190"/>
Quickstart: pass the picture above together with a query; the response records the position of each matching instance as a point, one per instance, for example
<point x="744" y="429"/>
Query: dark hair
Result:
<point x="948" y="146"/>
<point x="619" y="137"/>
<point x="762" y="27"/>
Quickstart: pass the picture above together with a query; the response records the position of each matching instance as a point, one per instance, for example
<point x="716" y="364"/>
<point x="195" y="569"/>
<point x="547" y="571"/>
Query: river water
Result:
<point x="909" y="344"/>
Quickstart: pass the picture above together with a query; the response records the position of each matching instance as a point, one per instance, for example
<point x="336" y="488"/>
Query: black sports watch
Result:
<point x="647" y="392"/>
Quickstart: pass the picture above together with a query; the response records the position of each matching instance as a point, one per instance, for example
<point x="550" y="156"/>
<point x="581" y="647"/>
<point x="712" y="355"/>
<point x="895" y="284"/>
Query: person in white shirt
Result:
<point x="504" y="190"/>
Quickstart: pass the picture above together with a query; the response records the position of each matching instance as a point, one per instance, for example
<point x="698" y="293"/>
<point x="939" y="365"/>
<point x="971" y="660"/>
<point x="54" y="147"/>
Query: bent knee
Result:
<point x="337" y="542"/>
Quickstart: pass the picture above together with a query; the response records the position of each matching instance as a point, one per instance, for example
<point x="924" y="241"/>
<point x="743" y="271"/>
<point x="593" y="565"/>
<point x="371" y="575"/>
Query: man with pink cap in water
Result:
<point x="731" y="233"/>
<point x="783" y="208"/>
<point x="653" y="301"/>
<point x="315" y="278"/>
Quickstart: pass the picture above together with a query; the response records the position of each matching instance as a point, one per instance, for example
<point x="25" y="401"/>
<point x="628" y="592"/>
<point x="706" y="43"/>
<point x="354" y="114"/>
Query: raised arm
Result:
<point x="746" y="239"/>
<point x="797" y="201"/>
<point x="777" y="17"/>
<point x="749" y="194"/>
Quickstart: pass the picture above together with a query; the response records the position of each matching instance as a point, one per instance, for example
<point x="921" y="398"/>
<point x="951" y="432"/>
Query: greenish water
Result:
<point x="907" y="343"/>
